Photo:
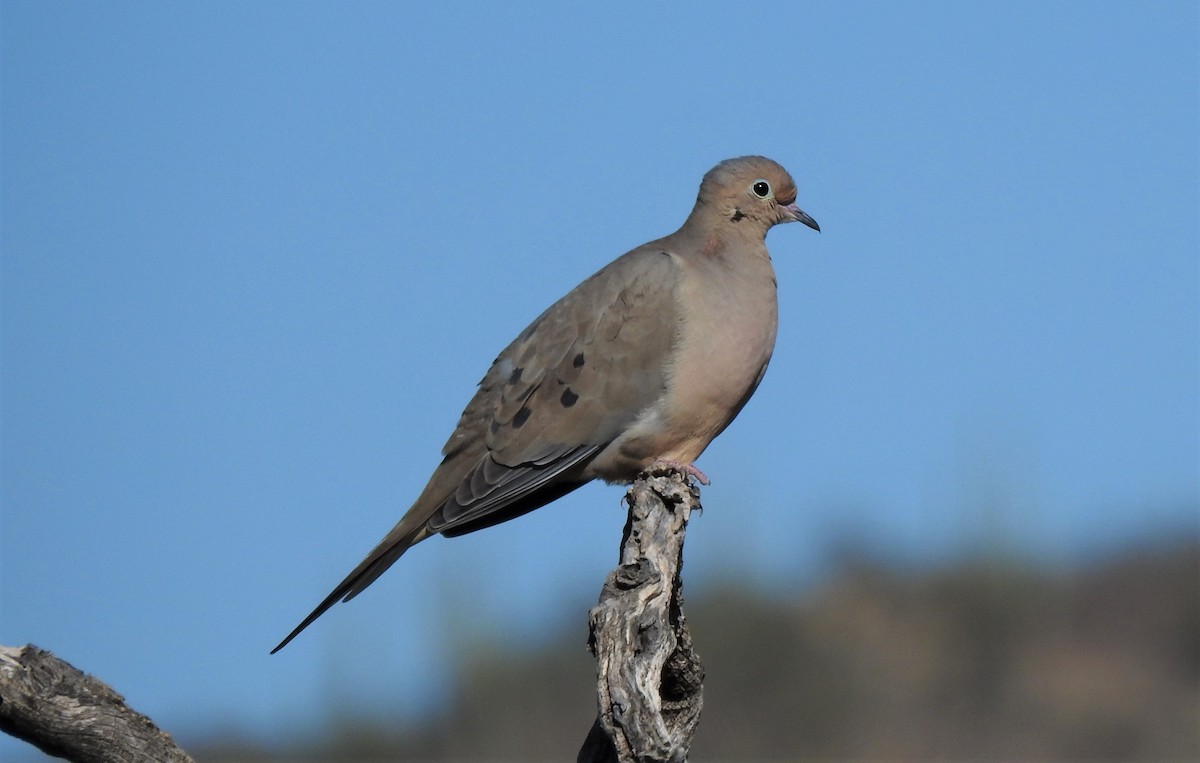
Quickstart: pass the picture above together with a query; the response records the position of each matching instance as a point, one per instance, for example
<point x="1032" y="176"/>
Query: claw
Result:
<point x="688" y="469"/>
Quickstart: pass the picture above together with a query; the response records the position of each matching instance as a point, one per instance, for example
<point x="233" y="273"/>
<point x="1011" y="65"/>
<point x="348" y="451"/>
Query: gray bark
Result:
<point x="68" y="714"/>
<point x="649" y="680"/>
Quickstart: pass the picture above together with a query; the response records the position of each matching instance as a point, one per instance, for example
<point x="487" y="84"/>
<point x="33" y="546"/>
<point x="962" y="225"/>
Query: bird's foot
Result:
<point x="688" y="469"/>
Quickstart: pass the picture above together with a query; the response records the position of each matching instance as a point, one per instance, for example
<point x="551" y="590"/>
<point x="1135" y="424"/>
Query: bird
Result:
<point x="643" y="363"/>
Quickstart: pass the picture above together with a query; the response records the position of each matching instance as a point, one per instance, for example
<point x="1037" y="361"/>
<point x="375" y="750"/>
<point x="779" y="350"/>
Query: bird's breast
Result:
<point x="726" y="335"/>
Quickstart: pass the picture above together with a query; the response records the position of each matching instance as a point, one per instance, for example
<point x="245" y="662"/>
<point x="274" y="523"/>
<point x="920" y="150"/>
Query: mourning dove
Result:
<point x="646" y="361"/>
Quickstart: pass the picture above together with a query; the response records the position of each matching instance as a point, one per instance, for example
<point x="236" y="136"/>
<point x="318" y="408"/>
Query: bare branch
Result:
<point x="649" y="680"/>
<point x="66" y="713"/>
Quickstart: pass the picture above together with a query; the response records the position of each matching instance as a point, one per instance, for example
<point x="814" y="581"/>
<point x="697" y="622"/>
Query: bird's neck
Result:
<point x="716" y="236"/>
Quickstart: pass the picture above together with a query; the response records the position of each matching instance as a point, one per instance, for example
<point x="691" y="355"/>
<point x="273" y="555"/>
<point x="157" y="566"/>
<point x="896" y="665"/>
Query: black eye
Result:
<point x="761" y="188"/>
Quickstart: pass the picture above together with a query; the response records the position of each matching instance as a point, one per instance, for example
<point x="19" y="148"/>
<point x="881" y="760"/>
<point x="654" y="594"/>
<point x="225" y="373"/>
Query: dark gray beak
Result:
<point x="797" y="215"/>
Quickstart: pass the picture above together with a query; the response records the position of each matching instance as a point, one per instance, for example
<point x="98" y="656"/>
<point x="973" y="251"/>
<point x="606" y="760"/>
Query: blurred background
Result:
<point x="256" y="256"/>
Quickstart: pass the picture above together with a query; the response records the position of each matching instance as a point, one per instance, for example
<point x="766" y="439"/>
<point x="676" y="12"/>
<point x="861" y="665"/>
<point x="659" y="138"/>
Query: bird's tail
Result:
<point x="391" y="548"/>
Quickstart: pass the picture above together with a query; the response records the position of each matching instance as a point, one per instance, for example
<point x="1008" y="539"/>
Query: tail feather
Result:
<point x="510" y="492"/>
<point x="376" y="563"/>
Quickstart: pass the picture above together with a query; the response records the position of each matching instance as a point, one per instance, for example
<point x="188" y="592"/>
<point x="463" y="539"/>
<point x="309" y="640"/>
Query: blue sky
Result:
<point x="256" y="255"/>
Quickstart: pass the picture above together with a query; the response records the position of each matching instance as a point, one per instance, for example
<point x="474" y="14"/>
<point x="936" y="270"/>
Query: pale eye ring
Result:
<point x="761" y="188"/>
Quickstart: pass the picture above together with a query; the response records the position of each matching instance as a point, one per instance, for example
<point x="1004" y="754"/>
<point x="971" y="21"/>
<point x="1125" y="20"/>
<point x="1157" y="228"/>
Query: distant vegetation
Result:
<point x="987" y="660"/>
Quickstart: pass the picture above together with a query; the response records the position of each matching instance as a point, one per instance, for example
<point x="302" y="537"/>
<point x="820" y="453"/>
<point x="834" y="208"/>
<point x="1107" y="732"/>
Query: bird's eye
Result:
<point x="761" y="188"/>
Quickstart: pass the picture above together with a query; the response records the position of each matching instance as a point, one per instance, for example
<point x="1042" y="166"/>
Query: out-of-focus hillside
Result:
<point x="977" y="661"/>
<point x="984" y="661"/>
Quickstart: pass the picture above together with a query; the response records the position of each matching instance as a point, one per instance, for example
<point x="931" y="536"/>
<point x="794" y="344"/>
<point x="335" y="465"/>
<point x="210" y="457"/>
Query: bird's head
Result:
<point x="752" y="191"/>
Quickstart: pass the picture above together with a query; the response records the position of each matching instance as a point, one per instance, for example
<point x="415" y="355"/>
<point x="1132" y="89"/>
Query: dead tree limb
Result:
<point x="66" y="713"/>
<point x="649" y="680"/>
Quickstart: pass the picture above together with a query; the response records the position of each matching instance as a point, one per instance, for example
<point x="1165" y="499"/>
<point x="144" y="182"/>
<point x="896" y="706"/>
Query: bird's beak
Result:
<point x="794" y="214"/>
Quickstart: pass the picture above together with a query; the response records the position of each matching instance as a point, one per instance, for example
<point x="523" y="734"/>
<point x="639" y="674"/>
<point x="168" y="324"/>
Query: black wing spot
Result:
<point x="515" y="376"/>
<point x="521" y="417"/>
<point x="578" y="361"/>
<point x="495" y="426"/>
<point x="568" y="398"/>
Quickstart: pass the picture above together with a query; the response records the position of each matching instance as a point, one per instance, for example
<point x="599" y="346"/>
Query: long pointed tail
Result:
<point x="383" y="556"/>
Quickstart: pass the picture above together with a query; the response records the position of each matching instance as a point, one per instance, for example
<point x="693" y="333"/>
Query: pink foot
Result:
<point x="689" y="469"/>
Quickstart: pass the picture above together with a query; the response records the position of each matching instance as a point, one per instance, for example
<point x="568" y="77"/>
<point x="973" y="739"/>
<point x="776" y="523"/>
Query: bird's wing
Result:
<point x="572" y="382"/>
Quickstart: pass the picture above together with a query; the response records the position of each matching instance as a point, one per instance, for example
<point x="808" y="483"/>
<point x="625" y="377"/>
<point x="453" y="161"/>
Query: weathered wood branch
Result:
<point x="66" y="713"/>
<point x="649" y="680"/>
